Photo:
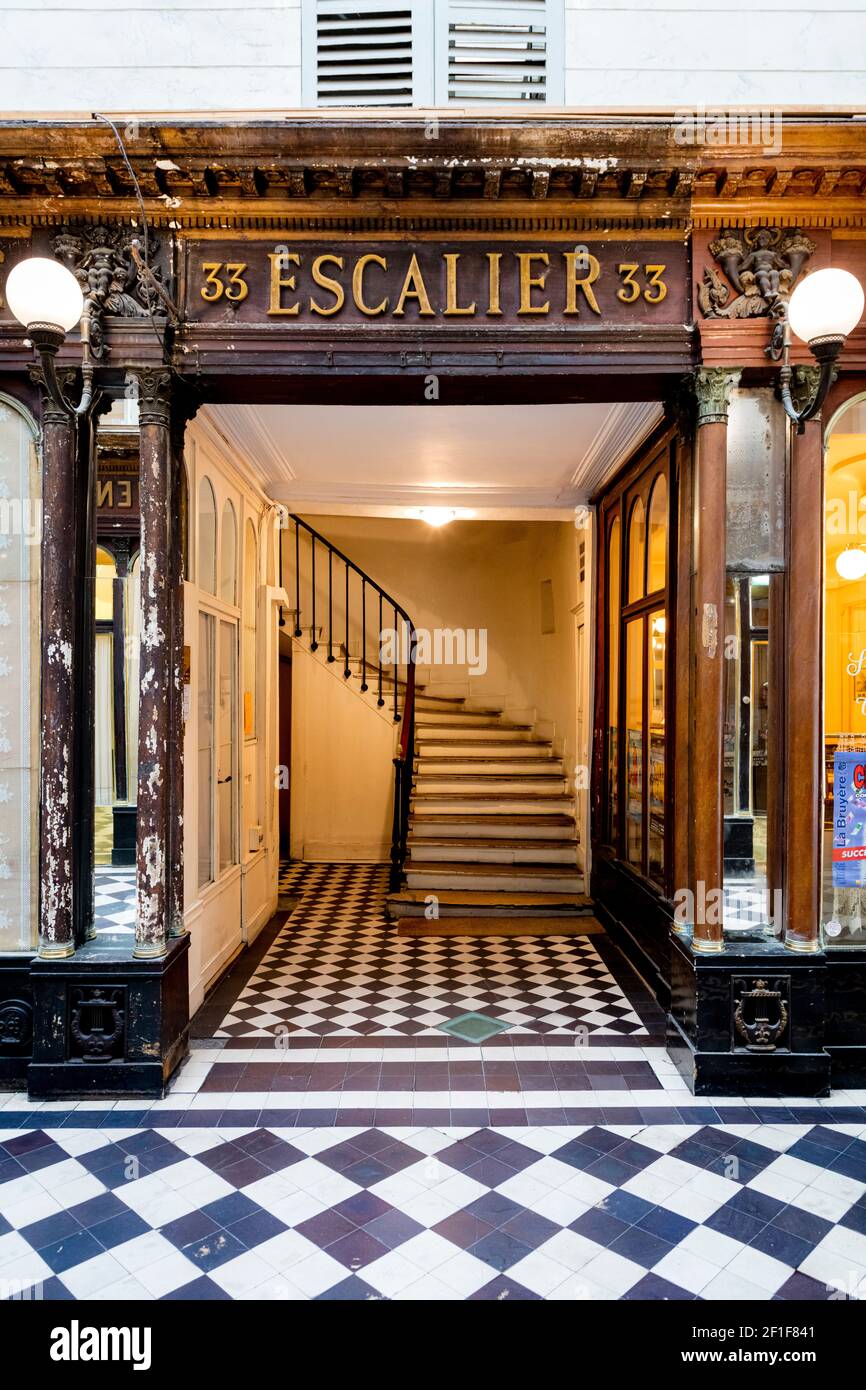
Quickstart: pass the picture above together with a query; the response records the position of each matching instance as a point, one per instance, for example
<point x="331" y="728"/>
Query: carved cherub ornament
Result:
<point x="762" y="264"/>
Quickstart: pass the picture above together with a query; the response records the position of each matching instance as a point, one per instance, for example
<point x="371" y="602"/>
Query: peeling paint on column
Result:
<point x="56" y="929"/>
<point x="153" y="833"/>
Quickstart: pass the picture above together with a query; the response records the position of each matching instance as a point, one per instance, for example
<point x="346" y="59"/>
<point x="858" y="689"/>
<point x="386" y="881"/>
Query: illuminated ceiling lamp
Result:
<point x="851" y="563"/>
<point x="437" y="516"/>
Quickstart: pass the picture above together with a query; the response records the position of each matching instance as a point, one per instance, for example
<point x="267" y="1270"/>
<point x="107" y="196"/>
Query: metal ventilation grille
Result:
<point x="489" y="62"/>
<point x="364" y="58"/>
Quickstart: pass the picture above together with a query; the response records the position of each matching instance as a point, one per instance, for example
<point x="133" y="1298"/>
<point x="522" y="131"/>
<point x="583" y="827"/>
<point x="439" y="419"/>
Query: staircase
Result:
<point x="483" y="820"/>
<point x="492" y="830"/>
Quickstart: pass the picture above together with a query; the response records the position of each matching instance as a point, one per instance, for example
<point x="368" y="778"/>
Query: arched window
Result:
<point x="206" y="564"/>
<point x="658" y="536"/>
<point x="229" y="556"/>
<point x="184" y="520"/>
<point x="636" y="551"/>
<point x="251" y="588"/>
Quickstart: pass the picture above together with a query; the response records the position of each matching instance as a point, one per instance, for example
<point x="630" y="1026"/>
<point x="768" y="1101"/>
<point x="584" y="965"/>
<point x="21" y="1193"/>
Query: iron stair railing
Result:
<point x="388" y="687"/>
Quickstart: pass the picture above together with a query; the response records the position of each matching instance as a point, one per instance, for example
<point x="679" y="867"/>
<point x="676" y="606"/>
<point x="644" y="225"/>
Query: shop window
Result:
<point x="753" y="670"/>
<point x="20" y="551"/>
<point x="634" y="669"/>
<point x="843" y="912"/>
<point x="614" y="560"/>
<point x="658" y="536"/>
<point x="229" y="556"/>
<point x="251" y="589"/>
<point x="636" y="551"/>
<point x="206" y="750"/>
<point x="206" y="560"/>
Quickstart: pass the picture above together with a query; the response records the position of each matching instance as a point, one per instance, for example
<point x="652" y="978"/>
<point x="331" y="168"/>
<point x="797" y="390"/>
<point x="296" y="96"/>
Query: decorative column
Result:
<point x="56" y="923"/>
<point x="713" y="387"/>
<point x="154" y="710"/>
<point x="804" y="773"/>
<point x="178" y="531"/>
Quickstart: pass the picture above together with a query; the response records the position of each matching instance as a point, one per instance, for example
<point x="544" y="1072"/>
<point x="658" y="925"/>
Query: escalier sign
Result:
<point x="483" y="285"/>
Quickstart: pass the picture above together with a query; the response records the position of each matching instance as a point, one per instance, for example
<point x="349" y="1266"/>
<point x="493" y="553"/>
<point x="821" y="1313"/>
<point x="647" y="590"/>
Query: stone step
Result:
<point x="498" y="805"/>
<point x="436" y="876"/>
<point x="466" y="902"/>
<point x="427" y="732"/>
<point x="451" y="827"/>
<point x="499" y="749"/>
<point x="493" y="851"/>
<point x="472" y="785"/>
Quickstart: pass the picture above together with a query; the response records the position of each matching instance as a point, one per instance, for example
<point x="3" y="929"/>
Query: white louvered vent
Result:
<point x="364" y="55"/>
<point x="498" y="54"/>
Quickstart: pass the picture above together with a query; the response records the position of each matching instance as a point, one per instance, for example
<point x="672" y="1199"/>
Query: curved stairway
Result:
<point x="492" y="830"/>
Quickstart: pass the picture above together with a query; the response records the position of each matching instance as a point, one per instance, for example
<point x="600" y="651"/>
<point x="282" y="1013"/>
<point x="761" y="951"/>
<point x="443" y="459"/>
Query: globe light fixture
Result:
<point x="47" y="300"/>
<point x="851" y="563"/>
<point x="823" y="309"/>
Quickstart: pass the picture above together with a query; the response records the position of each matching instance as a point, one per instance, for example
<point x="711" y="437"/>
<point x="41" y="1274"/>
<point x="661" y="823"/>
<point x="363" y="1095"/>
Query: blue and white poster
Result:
<point x="849" y="820"/>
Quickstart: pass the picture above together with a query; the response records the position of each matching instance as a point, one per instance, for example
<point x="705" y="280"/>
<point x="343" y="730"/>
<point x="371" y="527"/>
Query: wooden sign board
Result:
<point x="488" y="285"/>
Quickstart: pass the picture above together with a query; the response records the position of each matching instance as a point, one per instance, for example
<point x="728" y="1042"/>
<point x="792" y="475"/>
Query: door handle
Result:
<point x="221" y="781"/>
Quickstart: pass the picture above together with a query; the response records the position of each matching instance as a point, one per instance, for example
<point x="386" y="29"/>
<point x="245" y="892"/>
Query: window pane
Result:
<point x="634" y="740"/>
<point x="658" y="536"/>
<point x="636" y="551"/>
<point x="749" y="730"/>
<point x="613" y="572"/>
<point x="844" y="879"/>
<point x="228" y="555"/>
<point x="206" y="625"/>
<point x="106" y="571"/>
<point x="251" y="590"/>
<point x="206" y="575"/>
<point x="226" y="779"/>
<point x="656" y="695"/>
<point x="755" y="486"/>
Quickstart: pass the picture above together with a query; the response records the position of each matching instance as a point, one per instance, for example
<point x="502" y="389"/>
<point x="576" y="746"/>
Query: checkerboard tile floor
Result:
<point x="359" y="1153"/>
<point x="750" y="1212"/>
<point x="338" y="968"/>
<point x="114" y="901"/>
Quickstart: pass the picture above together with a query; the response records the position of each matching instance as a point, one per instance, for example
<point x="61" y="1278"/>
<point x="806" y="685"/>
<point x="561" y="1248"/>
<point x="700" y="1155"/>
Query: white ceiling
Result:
<point x="390" y="460"/>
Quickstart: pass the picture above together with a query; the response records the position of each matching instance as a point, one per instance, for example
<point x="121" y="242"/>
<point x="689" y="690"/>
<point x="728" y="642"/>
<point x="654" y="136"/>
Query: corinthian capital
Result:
<point x="713" y="388"/>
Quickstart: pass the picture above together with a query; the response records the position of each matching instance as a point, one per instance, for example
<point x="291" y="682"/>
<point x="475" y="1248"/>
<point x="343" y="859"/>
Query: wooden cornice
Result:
<point x="433" y="171"/>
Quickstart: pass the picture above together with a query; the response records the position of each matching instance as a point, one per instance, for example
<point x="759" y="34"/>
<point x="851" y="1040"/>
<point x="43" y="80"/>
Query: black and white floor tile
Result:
<point x="114" y="901"/>
<point x="359" y="1153"/>
<point x="684" y="1212"/>
<point x="338" y="968"/>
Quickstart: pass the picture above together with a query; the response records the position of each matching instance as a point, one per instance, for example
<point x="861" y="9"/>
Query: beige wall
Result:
<point x="481" y="574"/>
<point x="342" y="785"/>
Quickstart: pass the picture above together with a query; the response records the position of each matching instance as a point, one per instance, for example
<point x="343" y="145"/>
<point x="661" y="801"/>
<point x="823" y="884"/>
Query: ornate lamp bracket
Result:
<point x="825" y="351"/>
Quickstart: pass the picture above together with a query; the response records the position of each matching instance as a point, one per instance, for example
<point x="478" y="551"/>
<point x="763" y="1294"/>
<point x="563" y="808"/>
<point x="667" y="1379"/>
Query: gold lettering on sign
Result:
<point x="529" y="282"/>
<point x="494" y="267"/>
<point x="215" y="287"/>
<point x="574" y="282"/>
<point x="280" y="282"/>
<point x="124" y="492"/>
<point x="414" y="288"/>
<point x="104" y="494"/>
<point x="630" y="290"/>
<point x="327" y="283"/>
<point x="358" y="285"/>
<point x="451" y="306"/>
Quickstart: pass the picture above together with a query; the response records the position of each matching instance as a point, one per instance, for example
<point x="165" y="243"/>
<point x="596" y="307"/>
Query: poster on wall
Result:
<point x="849" y="819"/>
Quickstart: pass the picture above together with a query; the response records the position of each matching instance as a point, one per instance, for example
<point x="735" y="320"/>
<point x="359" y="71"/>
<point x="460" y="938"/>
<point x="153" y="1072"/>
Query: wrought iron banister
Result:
<point x="404" y="628"/>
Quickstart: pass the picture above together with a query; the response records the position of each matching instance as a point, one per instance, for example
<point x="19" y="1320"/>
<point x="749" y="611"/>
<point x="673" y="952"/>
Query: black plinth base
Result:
<point x="16" y="1019"/>
<point x="715" y="1032"/>
<point x="106" y="1024"/>
<point x="123" y="845"/>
